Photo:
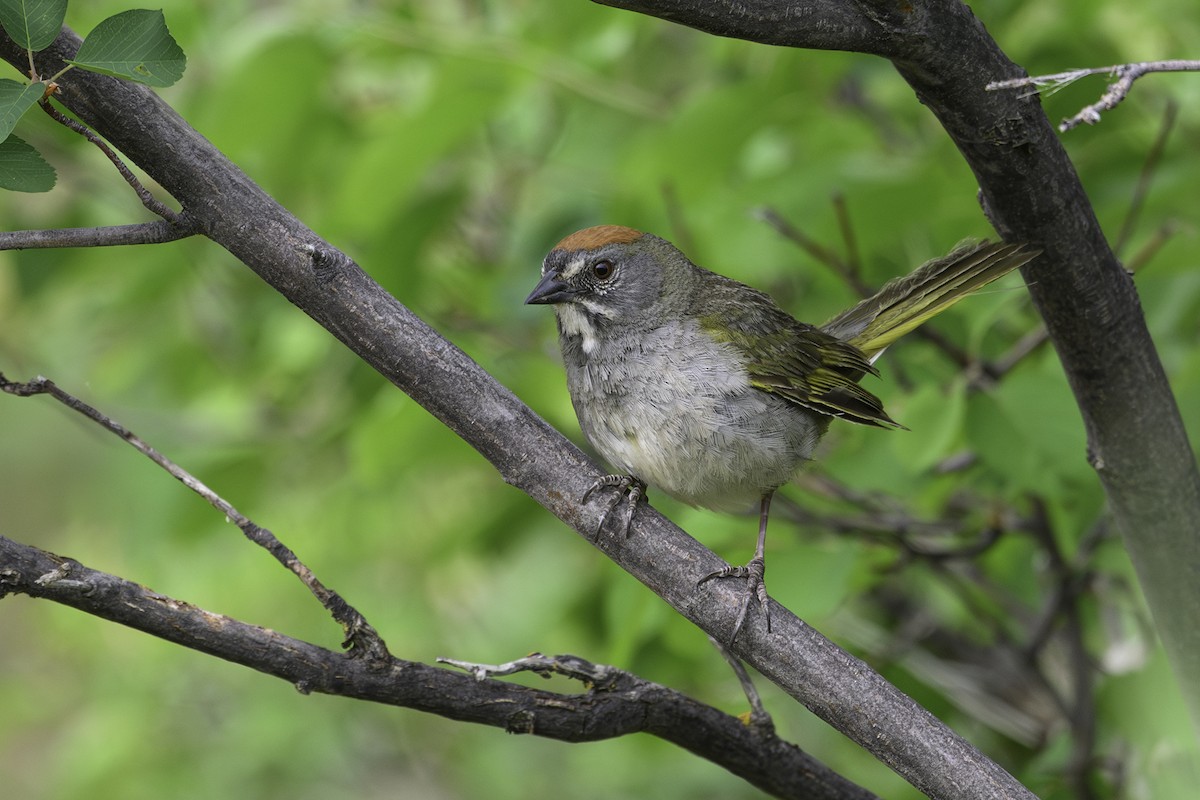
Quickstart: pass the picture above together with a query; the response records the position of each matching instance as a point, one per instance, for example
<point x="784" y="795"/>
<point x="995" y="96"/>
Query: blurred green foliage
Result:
<point x="446" y="146"/>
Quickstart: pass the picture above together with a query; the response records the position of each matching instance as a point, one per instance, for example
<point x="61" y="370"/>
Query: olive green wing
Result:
<point x="791" y="359"/>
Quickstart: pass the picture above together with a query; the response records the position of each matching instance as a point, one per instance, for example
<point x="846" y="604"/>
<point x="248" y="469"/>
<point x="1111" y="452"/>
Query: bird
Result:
<point x="705" y="388"/>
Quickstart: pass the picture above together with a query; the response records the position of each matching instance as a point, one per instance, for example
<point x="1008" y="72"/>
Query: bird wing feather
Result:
<point x="793" y="360"/>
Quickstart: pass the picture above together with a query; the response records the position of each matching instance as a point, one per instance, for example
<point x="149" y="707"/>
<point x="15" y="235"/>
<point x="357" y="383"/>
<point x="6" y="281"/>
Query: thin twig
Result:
<point x="878" y="524"/>
<point x="904" y="531"/>
<point x="594" y="676"/>
<point x="758" y="712"/>
<point x="842" y="211"/>
<point x="818" y="251"/>
<point x="1149" y="166"/>
<point x="1162" y="234"/>
<point x="1125" y="75"/>
<point x="143" y="193"/>
<point x="156" y="231"/>
<point x="360" y="637"/>
<point x="1025" y="346"/>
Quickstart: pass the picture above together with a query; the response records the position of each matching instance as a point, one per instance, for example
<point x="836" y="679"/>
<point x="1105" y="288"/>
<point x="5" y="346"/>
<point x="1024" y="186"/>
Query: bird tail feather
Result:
<point x="904" y="303"/>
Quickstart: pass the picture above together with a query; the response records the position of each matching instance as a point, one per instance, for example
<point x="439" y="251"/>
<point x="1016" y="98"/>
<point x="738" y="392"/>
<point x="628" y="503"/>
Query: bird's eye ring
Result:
<point x="602" y="270"/>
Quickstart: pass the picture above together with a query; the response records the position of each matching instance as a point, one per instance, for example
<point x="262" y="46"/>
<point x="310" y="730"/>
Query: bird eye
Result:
<point x="602" y="270"/>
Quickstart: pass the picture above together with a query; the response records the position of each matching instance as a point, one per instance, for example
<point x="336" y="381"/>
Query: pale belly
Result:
<point x="695" y="430"/>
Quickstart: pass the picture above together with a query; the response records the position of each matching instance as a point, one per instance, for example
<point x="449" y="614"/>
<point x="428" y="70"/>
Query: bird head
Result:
<point x="609" y="275"/>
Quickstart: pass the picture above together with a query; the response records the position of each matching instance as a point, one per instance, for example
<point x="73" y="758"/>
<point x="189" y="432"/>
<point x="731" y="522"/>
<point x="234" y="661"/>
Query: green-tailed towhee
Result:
<point x="704" y="387"/>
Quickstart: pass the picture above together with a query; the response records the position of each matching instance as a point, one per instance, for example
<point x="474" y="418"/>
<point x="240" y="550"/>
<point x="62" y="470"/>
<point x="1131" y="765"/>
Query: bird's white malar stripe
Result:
<point x="577" y="322"/>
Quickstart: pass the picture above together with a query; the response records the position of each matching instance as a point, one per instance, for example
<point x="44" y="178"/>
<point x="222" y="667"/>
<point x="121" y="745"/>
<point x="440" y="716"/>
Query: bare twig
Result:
<point x="877" y="524"/>
<point x="1162" y="234"/>
<point x="148" y="200"/>
<point x="1025" y="346"/>
<point x="758" y="712"/>
<point x="1149" y="166"/>
<point x="913" y="537"/>
<point x="853" y="260"/>
<point x="360" y="637"/>
<point x="155" y="232"/>
<point x="1125" y="75"/>
<point x="594" y="676"/>
<point x="820" y="253"/>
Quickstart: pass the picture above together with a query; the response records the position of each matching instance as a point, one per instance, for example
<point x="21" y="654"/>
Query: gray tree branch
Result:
<point x="156" y="232"/>
<point x="235" y="213"/>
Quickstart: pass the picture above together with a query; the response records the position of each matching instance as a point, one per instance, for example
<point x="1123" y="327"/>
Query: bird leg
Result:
<point x="628" y="485"/>
<point x="753" y="572"/>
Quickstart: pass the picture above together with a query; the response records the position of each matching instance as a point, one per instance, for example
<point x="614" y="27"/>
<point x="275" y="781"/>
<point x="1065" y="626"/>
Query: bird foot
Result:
<point x="628" y="486"/>
<point x="754" y="573"/>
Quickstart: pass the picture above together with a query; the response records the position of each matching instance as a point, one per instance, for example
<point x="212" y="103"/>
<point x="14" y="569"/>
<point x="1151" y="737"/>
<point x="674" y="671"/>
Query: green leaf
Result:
<point x="134" y="45"/>
<point x="22" y="169"/>
<point x="15" y="100"/>
<point x="32" y="24"/>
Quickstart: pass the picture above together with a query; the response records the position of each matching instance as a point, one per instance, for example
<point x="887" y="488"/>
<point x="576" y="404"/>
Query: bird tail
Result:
<point x="904" y="303"/>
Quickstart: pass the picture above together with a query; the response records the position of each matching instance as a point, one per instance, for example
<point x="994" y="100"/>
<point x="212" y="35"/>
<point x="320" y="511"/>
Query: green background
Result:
<point x="446" y="146"/>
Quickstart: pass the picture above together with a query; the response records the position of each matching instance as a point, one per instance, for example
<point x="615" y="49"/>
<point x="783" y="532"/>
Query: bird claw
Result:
<point x="756" y="587"/>
<point x="628" y="486"/>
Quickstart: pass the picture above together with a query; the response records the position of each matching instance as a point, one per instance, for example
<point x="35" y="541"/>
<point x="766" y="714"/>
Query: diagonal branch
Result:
<point x="156" y="232"/>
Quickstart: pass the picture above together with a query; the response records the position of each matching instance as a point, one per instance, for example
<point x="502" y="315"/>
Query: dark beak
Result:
<point x="549" y="290"/>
